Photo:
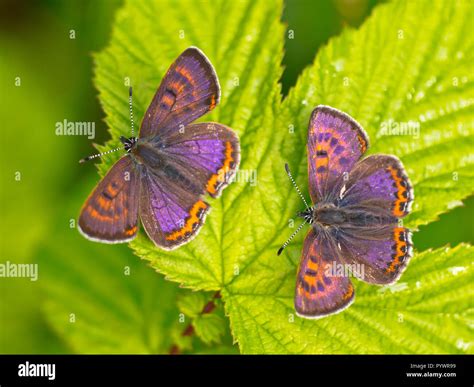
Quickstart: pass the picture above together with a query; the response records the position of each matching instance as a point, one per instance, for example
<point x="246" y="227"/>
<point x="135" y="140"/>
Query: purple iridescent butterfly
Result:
<point x="170" y="166"/>
<point x="357" y="205"/>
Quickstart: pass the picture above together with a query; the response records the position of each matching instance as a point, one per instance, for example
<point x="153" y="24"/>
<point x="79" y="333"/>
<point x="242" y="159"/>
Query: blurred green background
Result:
<point x="56" y="83"/>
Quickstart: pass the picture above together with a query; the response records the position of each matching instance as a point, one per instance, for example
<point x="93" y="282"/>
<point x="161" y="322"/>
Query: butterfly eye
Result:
<point x="128" y="143"/>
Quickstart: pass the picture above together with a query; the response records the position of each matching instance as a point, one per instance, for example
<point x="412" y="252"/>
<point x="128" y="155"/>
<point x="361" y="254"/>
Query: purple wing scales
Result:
<point x="170" y="214"/>
<point x="200" y="160"/>
<point x="379" y="188"/>
<point x="378" y="181"/>
<point x="189" y="90"/>
<point x="335" y="143"/>
<point x="381" y="252"/>
<point x="208" y="152"/>
<point x="318" y="293"/>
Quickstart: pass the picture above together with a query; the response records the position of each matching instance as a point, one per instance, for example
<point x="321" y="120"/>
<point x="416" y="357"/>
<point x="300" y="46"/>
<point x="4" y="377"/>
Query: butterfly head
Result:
<point x="307" y="215"/>
<point x="128" y="143"/>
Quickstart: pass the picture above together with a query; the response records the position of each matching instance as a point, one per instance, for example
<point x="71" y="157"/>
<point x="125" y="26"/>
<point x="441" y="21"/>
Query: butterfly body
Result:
<point x="355" y="216"/>
<point x="329" y="215"/>
<point x="170" y="167"/>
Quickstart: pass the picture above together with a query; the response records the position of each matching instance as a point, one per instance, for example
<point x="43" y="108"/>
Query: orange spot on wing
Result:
<point x="220" y="177"/>
<point x="168" y="100"/>
<point x="322" y="161"/>
<point x="399" y="253"/>
<point x="96" y="215"/>
<point x="103" y="203"/>
<point x="213" y="102"/>
<point x="349" y="292"/>
<point x="131" y="231"/>
<point x="111" y="190"/>
<point x="362" y="142"/>
<point x="176" y="87"/>
<point x="185" y="73"/>
<point x="398" y="210"/>
<point x="192" y="220"/>
<point x="310" y="279"/>
<point x="312" y="265"/>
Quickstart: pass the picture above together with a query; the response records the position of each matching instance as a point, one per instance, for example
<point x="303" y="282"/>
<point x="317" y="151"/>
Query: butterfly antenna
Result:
<point x="291" y="237"/>
<point x="100" y="154"/>
<point x="124" y="140"/>
<point x="287" y="168"/>
<point x="130" y="103"/>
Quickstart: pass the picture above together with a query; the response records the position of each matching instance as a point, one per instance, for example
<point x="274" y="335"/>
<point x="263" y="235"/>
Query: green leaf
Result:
<point x="209" y="328"/>
<point x="406" y="63"/>
<point x="191" y="304"/>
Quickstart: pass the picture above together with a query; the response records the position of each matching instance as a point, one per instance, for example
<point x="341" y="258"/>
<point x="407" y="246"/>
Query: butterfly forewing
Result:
<point x="335" y="143"/>
<point x="189" y="90"/>
<point x="110" y="213"/>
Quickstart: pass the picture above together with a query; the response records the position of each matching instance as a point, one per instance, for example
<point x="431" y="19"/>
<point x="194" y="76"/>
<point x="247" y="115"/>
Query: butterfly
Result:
<point x="355" y="217"/>
<point x="170" y="166"/>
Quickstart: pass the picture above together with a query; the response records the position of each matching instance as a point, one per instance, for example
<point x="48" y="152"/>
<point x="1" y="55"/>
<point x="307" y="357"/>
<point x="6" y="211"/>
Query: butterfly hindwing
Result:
<point x="189" y="90"/>
<point x="170" y="213"/>
<point x="207" y="153"/>
<point x="318" y="293"/>
<point x="381" y="252"/>
<point x="110" y="213"/>
<point x="379" y="182"/>
<point x="335" y="143"/>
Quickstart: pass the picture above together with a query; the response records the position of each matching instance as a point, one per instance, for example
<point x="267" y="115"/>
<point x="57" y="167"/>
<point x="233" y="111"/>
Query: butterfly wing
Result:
<point x="110" y="213"/>
<point x="382" y="252"/>
<point x="379" y="182"/>
<point x="318" y="293"/>
<point x="378" y="189"/>
<point x="335" y="143"/>
<point x="206" y="153"/>
<point x="171" y="214"/>
<point x="189" y="90"/>
<point x="202" y="159"/>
